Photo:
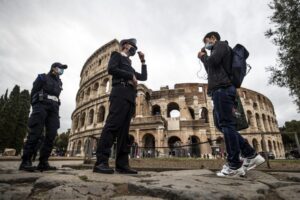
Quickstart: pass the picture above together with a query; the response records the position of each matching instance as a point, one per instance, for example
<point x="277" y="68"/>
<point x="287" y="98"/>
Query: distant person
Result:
<point x="223" y="93"/>
<point x="122" y="108"/>
<point x="45" y="113"/>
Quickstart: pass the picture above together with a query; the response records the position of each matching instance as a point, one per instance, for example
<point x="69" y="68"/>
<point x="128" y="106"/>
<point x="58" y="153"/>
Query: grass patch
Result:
<point x="84" y="178"/>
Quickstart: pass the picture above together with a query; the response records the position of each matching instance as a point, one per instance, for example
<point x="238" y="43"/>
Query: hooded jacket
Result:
<point x="218" y="66"/>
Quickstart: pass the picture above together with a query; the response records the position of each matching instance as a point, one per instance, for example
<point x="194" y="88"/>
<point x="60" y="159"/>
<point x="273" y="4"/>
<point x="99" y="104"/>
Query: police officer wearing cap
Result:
<point x="45" y="113"/>
<point x="121" y="110"/>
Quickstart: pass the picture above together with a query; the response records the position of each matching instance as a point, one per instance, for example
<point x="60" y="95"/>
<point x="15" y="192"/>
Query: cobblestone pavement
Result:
<point x="67" y="183"/>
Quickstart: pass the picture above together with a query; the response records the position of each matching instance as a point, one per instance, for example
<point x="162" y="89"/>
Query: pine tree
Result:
<point x="21" y="129"/>
<point x="8" y="118"/>
<point x="286" y="35"/>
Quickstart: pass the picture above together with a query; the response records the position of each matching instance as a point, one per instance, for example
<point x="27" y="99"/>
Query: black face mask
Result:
<point x="132" y="51"/>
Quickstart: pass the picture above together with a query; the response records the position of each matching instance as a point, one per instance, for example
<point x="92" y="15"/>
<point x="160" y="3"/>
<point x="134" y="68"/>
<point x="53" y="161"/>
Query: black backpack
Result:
<point x="239" y="65"/>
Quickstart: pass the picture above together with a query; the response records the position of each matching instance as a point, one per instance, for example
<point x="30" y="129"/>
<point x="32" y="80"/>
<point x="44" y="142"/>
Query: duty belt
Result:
<point x="53" y="98"/>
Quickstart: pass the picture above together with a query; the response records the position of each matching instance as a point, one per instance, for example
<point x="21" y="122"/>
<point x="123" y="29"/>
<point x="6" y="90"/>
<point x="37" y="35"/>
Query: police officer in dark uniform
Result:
<point x="45" y="113"/>
<point x="121" y="110"/>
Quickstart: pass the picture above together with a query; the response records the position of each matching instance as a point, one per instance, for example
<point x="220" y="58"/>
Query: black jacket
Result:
<point x="218" y="66"/>
<point x="49" y="83"/>
<point x="121" y="70"/>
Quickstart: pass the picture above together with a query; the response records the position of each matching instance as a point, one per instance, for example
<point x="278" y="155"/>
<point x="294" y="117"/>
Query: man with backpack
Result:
<point x="222" y="86"/>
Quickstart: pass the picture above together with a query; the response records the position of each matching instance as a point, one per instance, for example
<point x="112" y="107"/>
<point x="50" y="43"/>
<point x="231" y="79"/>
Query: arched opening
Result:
<point x="255" y="144"/>
<point x="255" y="106"/>
<point x="270" y="146"/>
<point x="105" y="86"/>
<point x="96" y="86"/>
<point x="204" y="114"/>
<point x="156" y="110"/>
<point x="88" y="92"/>
<point x="101" y="114"/>
<point x="258" y="121"/>
<point x="265" y="122"/>
<point x="192" y="112"/>
<point x="82" y="119"/>
<point x="76" y="121"/>
<point x="87" y="148"/>
<point x="195" y="148"/>
<point x="91" y="116"/>
<point x="149" y="145"/>
<point x="174" y="143"/>
<point x="249" y="117"/>
<point x="78" y="148"/>
<point x="269" y="123"/>
<point x="173" y="110"/>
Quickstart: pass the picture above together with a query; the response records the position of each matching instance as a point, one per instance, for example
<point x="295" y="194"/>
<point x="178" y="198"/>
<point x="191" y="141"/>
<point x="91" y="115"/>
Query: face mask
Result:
<point x="208" y="46"/>
<point x="132" y="51"/>
<point x="60" y="71"/>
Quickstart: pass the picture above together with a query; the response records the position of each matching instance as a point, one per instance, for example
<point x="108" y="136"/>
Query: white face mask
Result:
<point x="60" y="71"/>
<point x="208" y="46"/>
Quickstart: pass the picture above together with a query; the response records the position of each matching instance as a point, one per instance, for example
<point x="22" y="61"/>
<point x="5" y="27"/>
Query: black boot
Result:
<point x="126" y="170"/>
<point x="44" y="166"/>
<point x="103" y="168"/>
<point x="26" y="165"/>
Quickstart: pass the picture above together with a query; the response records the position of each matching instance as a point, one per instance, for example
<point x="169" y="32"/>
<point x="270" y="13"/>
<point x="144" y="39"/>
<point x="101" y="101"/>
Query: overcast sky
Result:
<point x="36" y="33"/>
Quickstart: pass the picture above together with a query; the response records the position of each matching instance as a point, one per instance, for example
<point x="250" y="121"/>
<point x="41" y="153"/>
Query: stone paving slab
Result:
<point x="67" y="183"/>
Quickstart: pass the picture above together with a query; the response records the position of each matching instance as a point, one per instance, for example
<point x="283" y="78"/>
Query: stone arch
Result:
<point x="78" y="147"/>
<point x="173" y="110"/>
<point x="156" y="110"/>
<point x="269" y="123"/>
<point x="101" y="114"/>
<point x="250" y="118"/>
<point x="174" y="142"/>
<point x="222" y="147"/>
<point x="270" y="146"/>
<point x="88" y="92"/>
<point x="255" y="144"/>
<point x="255" y="106"/>
<point x="76" y="122"/>
<point x="258" y="122"/>
<point x="149" y="145"/>
<point x="91" y="116"/>
<point x="265" y="122"/>
<point x="148" y="141"/>
<point x="195" y="148"/>
<point x="204" y="114"/>
<point x="87" y="147"/>
<point x="192" y="112"/>
<point x="96" y="86"/>
<point x="105" y="86"/>
<point x="82" y="119"/>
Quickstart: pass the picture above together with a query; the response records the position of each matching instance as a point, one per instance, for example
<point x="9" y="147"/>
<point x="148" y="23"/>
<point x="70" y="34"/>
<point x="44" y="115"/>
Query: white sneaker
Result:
<point x="227" y="172"/>
<point x="249" y="164"/>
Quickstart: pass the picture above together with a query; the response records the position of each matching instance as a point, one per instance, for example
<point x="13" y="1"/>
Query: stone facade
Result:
<point x="165" y="118"/>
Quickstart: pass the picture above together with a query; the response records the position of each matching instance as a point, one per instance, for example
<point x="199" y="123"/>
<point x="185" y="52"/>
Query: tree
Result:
<point x="286" y="35"/>
<point x="8" y="119"/>
<point x="61" y="143"/>
<point x="21" y="129"/>
<point x="289" y="128"/>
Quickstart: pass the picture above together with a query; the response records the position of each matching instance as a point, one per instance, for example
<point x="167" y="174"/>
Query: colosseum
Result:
<point x="167" y="118"/>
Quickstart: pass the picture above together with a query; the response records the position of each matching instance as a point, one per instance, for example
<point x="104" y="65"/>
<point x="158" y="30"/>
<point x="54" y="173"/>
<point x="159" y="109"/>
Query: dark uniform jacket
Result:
<point x="121" y="70"/>
<point x="49" y="83"/>
<point x="218" y="66"/>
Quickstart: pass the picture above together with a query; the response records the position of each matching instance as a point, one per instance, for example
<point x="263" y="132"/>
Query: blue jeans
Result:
<point x="224" y="102"/>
